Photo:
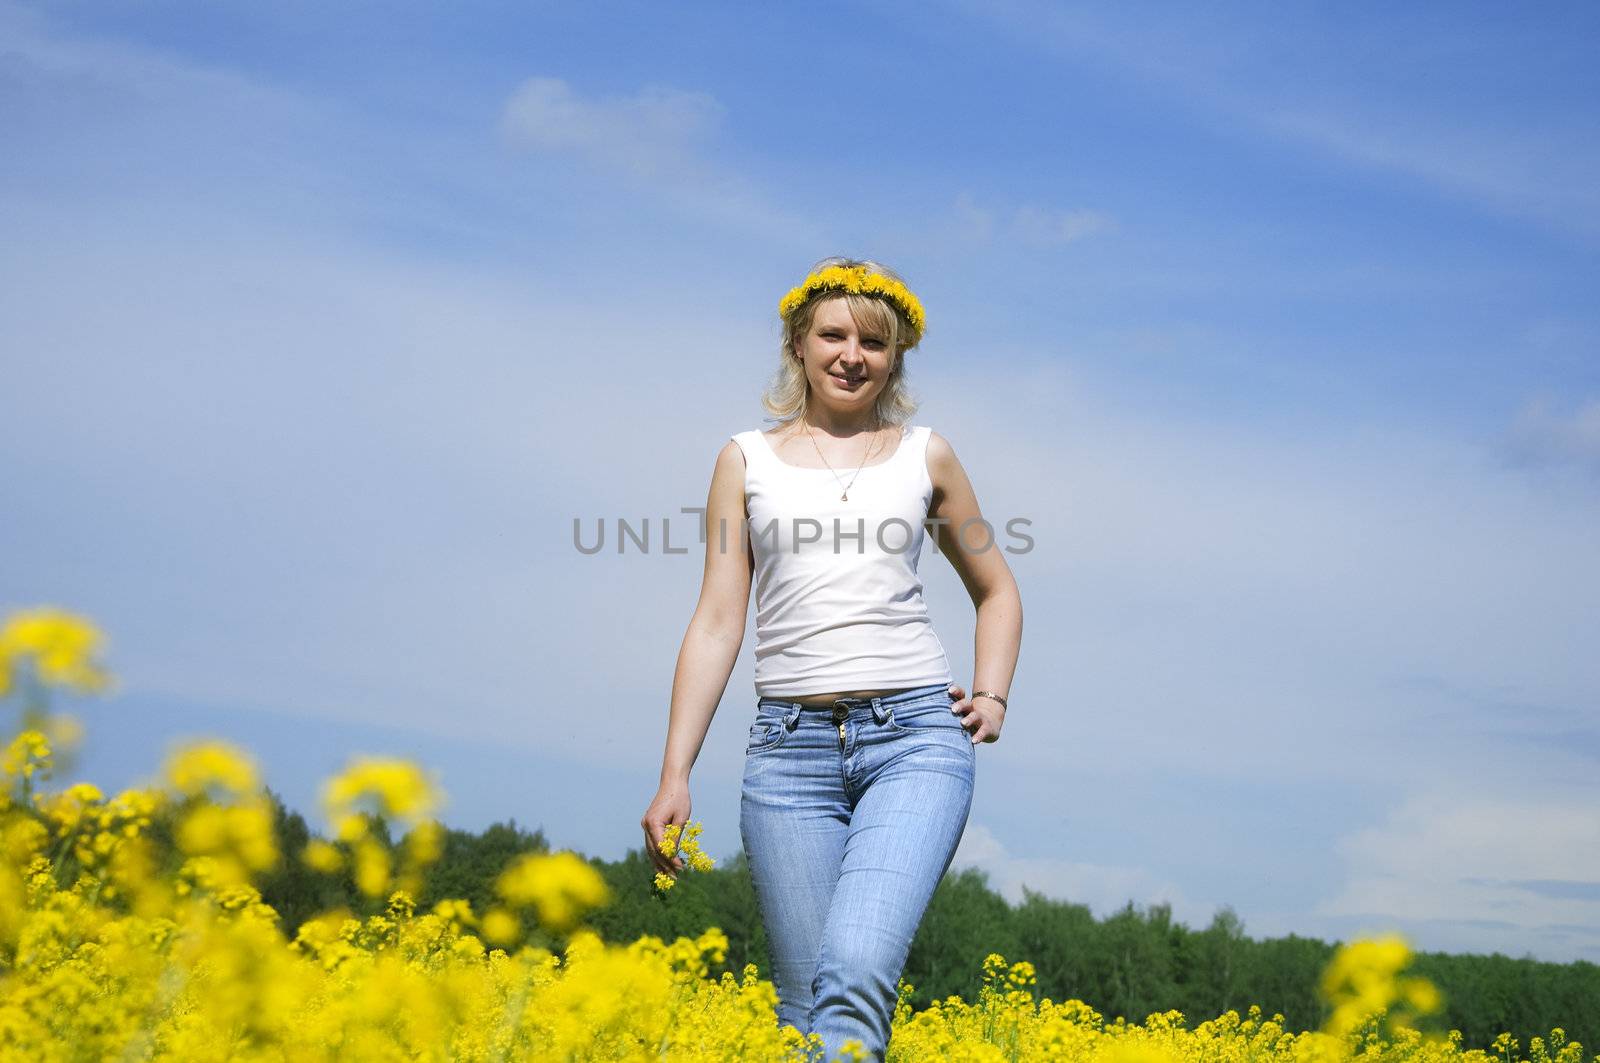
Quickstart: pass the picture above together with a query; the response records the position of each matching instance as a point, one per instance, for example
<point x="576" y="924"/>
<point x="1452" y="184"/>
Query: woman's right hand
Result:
<point x="671" y="805"/>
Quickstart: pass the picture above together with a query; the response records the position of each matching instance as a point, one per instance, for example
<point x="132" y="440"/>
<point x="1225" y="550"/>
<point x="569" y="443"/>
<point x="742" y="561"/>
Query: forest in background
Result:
<point x="1132" y="963"/>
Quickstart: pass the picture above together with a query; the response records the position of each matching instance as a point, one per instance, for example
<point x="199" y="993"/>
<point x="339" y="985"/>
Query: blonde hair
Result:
<point x="785" y="397"/>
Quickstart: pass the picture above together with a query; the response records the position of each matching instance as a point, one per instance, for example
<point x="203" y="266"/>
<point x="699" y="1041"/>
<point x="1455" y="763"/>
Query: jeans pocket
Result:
<point x="768" y="732"/>
<point x="932" y="714"/>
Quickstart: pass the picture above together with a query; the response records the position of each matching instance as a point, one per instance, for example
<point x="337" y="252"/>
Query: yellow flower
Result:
<point x="322" y="856"/>
<point x="1122" y="1050"/>
<point x="500" y="927"/>
<point x="62" y="646"/>
<point x="685" y="839"/>
<point x="1421" y="994"/>
<point x="852" y="1051"/>
<point x="226" y="828"/>
<point x="561" y="886"/>
<point x="66" y="809"/>
<point x="425" y="843"/>
<point x="1362" y="981"/>
<point x="195" y="768"/>
<point x="231" y="840"/>
<point x="860" y="280"/>
<point x="27" y="753"/>
<point x="131" y="811"/>
<point x="372" y="868"/>
<point x="456" y="910"/>
<point x="22" y="838"/>
<point x="399" y="788"/>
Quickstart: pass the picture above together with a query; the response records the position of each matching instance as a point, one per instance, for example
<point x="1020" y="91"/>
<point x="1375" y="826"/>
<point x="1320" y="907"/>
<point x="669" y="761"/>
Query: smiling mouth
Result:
<point x="847" y="380"/>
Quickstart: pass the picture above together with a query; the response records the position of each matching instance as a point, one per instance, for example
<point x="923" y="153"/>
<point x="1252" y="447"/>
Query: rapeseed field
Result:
<point x="110" y="950"/>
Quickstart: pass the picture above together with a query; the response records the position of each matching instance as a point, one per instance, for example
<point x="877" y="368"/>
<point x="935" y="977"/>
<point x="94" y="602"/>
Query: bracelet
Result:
<point x="990" y="694"/>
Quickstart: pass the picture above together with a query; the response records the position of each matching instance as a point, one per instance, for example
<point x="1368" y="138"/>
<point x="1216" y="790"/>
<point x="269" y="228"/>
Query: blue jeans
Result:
<point x="850" y="814"/>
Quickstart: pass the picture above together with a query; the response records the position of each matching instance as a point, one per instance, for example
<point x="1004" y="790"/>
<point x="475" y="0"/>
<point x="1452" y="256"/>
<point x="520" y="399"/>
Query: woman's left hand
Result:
<point x="982" y="718"/>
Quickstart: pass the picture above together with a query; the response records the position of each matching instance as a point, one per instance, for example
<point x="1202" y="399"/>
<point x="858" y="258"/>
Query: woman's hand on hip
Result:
<point x="982" y="717"/>
<point x="671" y="805"/>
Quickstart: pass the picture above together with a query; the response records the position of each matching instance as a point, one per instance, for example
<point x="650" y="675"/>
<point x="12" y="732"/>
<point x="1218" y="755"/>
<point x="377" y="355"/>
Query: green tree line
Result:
<point x="1130" y="963"/>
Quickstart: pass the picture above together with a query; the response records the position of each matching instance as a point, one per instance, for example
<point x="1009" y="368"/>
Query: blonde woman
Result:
<point x="860" y="764"/>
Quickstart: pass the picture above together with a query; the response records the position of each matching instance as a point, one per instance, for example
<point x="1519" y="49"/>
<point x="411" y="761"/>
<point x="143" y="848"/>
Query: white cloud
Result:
<point x="657" y="130"/>
<point x="1105" y="888"/>
<point x="1468" y="870"/>
<point x="1026" y="223"/>
<point x="1049" y="227"/>
<point x="659" y="138"/>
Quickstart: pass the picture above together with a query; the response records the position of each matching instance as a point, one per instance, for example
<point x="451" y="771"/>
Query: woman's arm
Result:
<point x="978" y="558"/>
<point x="710" y="648"/>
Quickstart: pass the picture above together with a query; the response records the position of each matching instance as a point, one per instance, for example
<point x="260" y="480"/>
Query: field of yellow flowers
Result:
<point x="106" y="953"/>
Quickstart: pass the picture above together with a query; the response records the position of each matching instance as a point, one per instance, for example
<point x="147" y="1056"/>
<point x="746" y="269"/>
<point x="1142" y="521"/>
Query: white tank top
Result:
<point x="838" y="599"/>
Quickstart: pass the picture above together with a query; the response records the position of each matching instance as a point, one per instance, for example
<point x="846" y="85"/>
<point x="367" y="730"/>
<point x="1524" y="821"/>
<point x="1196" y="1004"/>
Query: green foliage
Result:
<point x="1283" y="974"/>
<point x="1485" y="995"/>
<point x="468" y="866"/>
<point x="1211" y="966"/>
<point x="470" y="863"/>
<point x="292" y="889"/>
<point x="965" y="921"/>
<point x="1056" y="937"/>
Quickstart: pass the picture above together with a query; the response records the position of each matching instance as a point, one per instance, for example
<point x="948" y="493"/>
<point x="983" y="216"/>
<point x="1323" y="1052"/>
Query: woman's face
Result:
<point x="845" y="369"/>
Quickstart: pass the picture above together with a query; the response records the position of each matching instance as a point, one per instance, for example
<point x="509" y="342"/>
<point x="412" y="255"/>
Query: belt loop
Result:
<point x="879" y="711"/>
<point x="792" y="714"/>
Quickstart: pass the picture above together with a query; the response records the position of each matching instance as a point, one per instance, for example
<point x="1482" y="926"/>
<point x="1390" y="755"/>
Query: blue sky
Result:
<point x="320" y="326"/>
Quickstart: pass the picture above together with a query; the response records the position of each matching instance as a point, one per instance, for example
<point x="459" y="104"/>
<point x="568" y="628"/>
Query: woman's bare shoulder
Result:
<point x="731" y="458"/>
<point x="944" y="467"/>
<point x="940" y="453"/>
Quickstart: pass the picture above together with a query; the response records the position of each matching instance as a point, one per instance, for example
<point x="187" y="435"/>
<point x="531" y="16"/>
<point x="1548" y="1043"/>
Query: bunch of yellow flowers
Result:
<point x="683" y="838"/>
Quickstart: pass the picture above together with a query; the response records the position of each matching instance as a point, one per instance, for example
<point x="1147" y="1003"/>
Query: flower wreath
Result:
<point x="862" y="281"/>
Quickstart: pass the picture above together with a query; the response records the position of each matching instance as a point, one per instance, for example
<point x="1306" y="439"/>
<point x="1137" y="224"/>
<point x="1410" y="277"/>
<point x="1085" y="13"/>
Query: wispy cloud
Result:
<point x="658" y="131"/>
<point x="80" y="63"/>
<point x="1103" y="887"/>
<point x="1049" y="227"/>
<point x="1263" y="77"/>
<point x="660" y="138"/>
<point x="1026" y="223"/>
<point x="1443" y="856"/>
<point x="1544" y="887"/>
<point x="1544" y="175"/>
<point x="1545" y="433"/>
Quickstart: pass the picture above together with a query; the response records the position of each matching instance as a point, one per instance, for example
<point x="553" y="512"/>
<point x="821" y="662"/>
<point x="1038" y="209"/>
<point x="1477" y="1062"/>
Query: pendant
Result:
<point x="845" y="497"/>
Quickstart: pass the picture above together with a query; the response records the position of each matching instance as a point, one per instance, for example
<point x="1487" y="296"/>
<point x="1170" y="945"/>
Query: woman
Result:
<point x="859" y="770"/>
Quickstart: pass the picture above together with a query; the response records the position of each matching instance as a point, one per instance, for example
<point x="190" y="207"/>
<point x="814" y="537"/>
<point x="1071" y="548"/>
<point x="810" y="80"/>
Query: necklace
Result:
<point x="844" y="495"/>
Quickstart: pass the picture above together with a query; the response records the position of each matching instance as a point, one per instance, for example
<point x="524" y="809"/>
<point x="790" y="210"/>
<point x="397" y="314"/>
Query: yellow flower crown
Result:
<point x="862" y="281"/>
